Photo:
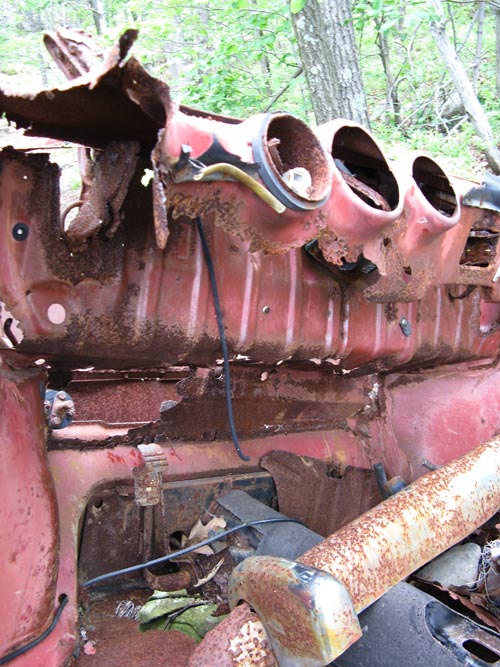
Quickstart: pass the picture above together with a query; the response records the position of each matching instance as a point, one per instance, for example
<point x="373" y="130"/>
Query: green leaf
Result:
<point x="297" y="6"/>
<point x="176" y="610"/>
<point x="155" y="608"/>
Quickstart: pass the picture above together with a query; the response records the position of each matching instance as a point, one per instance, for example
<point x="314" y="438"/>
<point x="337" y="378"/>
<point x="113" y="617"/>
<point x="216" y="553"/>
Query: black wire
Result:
<point x="63" y="600"/>
<point x="186" y="550"/>
<point x="222" y="334"/>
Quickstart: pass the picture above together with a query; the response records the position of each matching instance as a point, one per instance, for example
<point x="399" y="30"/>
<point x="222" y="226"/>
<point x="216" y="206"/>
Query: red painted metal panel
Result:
<point x="29" y="539"/>
<point x="136" y="294"/>
<point x="122" y="300"/>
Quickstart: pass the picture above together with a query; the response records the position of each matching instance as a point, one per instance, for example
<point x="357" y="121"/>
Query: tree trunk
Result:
<point x="329" y="55"/>
<point x="479" y="42"/>
<point x="495" y="4"/>
<point x="463" y="85"/>
<point x="392" y="99"/>
<point x="98" y="15"/>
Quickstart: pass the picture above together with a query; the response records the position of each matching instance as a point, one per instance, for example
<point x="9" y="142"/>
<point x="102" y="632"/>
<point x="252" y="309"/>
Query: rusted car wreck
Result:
<point x="278" y="327"/>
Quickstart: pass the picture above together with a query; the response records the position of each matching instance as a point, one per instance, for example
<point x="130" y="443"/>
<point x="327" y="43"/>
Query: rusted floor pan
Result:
<point x="119" y="641"/>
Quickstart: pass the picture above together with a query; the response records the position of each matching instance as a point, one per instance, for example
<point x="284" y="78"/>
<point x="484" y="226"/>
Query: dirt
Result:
<point x="118" y="641"/>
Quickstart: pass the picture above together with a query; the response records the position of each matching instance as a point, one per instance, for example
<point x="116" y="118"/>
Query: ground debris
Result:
<point x="176" y="610"/>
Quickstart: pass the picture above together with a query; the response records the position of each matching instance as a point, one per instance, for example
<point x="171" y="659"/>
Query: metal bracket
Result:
<point x="148" y="478"/>
<point x="308" y="614"/>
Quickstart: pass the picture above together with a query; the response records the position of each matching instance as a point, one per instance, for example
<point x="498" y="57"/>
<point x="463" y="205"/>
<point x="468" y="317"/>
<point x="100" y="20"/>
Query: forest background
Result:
<point x="240" y="57"/>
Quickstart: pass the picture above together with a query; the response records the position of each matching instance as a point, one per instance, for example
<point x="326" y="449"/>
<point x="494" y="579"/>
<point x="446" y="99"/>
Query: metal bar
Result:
<point x="392" y="540"/>
<point x="389" y="542"/>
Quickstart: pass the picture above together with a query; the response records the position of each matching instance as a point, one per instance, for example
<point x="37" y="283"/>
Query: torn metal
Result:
<point x="360" y="302"/>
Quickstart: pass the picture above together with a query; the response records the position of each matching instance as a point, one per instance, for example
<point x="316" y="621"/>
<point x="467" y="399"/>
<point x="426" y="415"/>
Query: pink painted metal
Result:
<point x="29" y="539"/>
<point x="362" y="312"/>
<point x="125" y="301"/>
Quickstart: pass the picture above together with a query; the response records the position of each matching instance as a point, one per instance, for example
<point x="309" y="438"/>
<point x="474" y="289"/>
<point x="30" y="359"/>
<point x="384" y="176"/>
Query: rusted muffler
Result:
<point x="368" y="556"/>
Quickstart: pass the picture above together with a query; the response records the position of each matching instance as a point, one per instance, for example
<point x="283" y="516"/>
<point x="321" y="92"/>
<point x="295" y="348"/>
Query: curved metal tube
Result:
<point x="386" y="544"/>
<point x="245" y="179"/>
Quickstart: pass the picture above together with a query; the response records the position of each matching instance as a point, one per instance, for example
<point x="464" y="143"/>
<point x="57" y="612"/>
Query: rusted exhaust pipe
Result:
<point x="383" y="546"/>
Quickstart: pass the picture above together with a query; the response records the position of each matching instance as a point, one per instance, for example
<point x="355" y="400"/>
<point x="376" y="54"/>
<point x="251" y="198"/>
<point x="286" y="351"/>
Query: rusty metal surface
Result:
<point x="387" y="543"/>
<point x="74" y="52"/>
<point x="415" y="245"/>
<point x="104" y="188"/>
<point x="124" y="398"/>
<point x="403" y="277"/>
<point x="244" y="643"/>
<point x="377" y="422"/>
<point x="119" y="300"/>
<point x="265" y="402"/>
<point x="427" y="431"/>
<point x="148" y="478"/>
<point x="173" y="581"/>
<point x="29" y="538"/>
<point x="116" y="640"/>
<point x="320" y="496"/>
<point x="117" y="100"/>
<point x="113" y="517"/>
<point x="308" y="615"/>
<point x="78" y="472"/>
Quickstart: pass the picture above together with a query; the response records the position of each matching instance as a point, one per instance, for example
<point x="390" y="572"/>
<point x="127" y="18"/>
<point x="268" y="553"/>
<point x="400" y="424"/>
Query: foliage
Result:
<point x="235" y="56"/>
<point x="227" y="56"/>
<point x="176" y="610"/>
<point x="297" y="6"/>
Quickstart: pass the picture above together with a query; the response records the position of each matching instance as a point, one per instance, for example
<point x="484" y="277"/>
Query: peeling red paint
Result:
<point x="361" y="309"/>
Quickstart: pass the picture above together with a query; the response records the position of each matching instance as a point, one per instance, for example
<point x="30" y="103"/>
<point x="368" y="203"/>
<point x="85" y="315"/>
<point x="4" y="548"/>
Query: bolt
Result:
<point x="405" y="326"/>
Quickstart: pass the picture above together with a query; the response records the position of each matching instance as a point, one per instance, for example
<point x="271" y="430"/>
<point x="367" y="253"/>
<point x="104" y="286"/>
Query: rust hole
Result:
<point x="291" y="144"/>
<point x="434" y="185"/>
<point x="358" y="157"/>
<point x="175" y="539"/>
<point x="480" y="248"/>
